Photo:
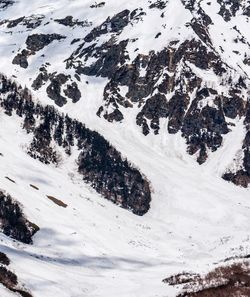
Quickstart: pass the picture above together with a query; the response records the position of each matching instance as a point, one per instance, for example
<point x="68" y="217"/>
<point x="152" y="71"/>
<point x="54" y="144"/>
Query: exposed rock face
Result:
<point x="100" y="164"/>
<point x="98" y="5"/>
<point x="54" y="89"/>
<point x="166" y="84"/>
<point x="242" y="176"/>
<point x="61" y="87"/>
<point x="21" y="59"/>
<point x="6" y="3"/>
<point x="160" y="4"/>
<point x="73" y="92"/>
<point x="202" y="126"/>
<point x="12" y="221"/>
<point x="115" y="24"/>
<point x="69" y="21"/>
<point x="31" y="22"/>
<point x="36" y="42"/>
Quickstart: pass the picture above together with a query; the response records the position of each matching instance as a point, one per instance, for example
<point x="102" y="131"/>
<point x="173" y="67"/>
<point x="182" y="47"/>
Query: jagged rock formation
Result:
<point x="12" y="220"/>
<point x="99" y="163"/>
<point x="166" y="84"/>
<point x="69" y="21"/>
<point x="190" y="80"/>
<point x="6" y="3"/>
<point x="34" y="43"/>
<point x="187" y="80"/>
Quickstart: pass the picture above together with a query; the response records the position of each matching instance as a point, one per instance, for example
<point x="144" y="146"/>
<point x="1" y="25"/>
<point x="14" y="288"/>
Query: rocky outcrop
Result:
<point x="60" y="88"/>
<point x="229" y="9"/>
<point x="98" y="5"/>
<point x="242" y="175"/>
<point x="6" y="3"/>
<point x="166" y="84"/>
<point x="21" y="59"/>
<point x="202" y="126"/>
<point x="112" y="25"/>
<point x="12" y="220"/>
<point x="185" y="80"/>
<point x="54" y="89"/>
<point x="70" y="22"/>
<point x="31" y="22"/>
<point x="100" y="164"/>
<point x="160" y="4"/>
<point x="36" y="42"/>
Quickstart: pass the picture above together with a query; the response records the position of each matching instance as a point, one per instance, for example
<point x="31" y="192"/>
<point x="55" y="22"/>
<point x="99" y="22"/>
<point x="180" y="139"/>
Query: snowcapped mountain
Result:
<point x="143" y="103"/>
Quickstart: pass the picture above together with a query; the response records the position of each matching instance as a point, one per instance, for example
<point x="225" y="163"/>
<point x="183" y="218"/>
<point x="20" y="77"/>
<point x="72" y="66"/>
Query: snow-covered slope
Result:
<point x="185" y="63"/>
<point x="166" y="83"/>
<point x="94" y="248"/>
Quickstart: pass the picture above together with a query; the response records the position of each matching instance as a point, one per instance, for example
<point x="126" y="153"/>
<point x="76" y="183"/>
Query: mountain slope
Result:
<point x="183" y="69"/>
<point x="162" y="84"/>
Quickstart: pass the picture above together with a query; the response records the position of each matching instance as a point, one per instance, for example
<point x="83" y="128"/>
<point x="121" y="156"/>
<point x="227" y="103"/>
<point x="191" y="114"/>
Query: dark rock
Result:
<point x="54" y="89"/>
<point x="42" y="78"/>
<point x="116" y="116"/>
<point x="21" y="59"/>
<point x="233" y="106"/>
<point x="160" y="4"/>
<point x="201" y="30"/>
<point x="31" y="22"/>
<point x="155" y="108"/>
<point x="228" y="9"/>
<point x="111" y="25"/>
<point x="73" y="92"/>
<point x="247" y="11"/>
<point x="177" y="107"/>
<point x="109" y="55"/>
<point x="204" y="127"/>
<point x="6" y="3"/>
<point x="70" y="22"/>
<point x="37" y="42"/>
<point x="97" y="5"/>
<point x="14" y="23"/>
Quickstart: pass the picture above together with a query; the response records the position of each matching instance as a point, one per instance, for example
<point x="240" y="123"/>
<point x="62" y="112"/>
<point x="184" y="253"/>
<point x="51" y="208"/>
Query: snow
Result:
<point x="93" y="248"/>
<point x="96" y="248"/>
